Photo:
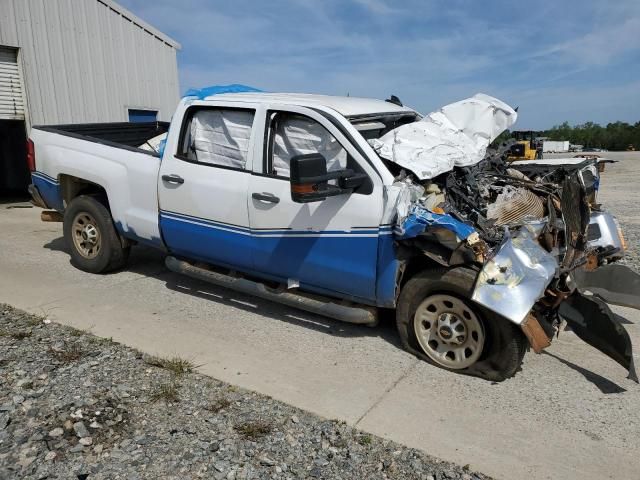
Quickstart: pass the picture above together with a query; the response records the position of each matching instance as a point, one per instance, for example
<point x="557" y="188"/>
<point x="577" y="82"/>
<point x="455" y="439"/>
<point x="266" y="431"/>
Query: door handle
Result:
<point x="265" y="197"/>
<point x="173" y="179"/>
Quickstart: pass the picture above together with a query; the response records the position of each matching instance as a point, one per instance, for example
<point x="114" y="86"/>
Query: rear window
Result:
<point x="217" y="137"/>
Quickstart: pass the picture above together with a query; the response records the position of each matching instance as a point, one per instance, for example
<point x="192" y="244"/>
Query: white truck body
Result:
<point x="227" y="191"/>
<point x="215" y="205"/>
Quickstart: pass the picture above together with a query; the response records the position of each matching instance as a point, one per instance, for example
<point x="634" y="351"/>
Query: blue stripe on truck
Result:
<point x="339" y="262"/>
<point x="49" y="189"/>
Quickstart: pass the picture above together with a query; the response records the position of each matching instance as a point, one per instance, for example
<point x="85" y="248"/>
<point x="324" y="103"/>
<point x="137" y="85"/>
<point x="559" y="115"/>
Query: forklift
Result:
<point x="526" y="146"/>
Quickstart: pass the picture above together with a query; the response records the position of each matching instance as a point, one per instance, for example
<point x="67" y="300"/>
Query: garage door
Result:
<point x="11" y="103"/>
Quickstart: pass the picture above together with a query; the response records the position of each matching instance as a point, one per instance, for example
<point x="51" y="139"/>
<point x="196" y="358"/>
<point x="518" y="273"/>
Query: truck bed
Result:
<point x="119" y="134"/>
<point x="107" y="155"/>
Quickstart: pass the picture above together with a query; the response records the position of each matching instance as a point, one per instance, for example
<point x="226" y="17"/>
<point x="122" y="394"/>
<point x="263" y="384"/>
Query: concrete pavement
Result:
<point x="570" y="413"/>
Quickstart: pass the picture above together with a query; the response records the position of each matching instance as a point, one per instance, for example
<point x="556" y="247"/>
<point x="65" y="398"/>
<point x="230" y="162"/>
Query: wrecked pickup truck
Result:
<point x="346" y="206"/>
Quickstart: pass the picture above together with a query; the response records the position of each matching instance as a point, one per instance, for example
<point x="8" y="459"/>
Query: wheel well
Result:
<point x="73" y="187"/>
<point x="415" y="260"/>
<point x="414" y="264"/>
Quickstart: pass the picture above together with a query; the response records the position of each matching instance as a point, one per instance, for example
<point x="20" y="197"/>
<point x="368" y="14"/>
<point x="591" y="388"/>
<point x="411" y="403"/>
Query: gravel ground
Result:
<point x="632" y="237"/>
<point x="73" y="405"/>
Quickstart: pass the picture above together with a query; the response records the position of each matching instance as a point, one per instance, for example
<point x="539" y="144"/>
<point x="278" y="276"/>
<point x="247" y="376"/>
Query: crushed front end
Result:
<point x="544" y="249"/>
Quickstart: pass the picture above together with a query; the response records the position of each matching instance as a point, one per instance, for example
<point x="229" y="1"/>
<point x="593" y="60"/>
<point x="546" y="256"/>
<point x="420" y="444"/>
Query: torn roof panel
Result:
<point x="455" y="136"/>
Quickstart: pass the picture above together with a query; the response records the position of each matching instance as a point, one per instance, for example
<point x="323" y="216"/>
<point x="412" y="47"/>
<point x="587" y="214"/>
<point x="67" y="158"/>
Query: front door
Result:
<point x="329" y="246"/>
<point x="203" y="187"/>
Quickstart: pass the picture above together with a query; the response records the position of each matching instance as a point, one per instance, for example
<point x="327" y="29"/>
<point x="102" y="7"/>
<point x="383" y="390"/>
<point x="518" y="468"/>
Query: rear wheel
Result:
<point x="438" y="323"/>
<point x="91" y="237"/>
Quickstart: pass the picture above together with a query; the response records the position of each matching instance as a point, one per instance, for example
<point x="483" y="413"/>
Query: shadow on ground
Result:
<point x="150" y="262"/>
<point x="605" y="385"/>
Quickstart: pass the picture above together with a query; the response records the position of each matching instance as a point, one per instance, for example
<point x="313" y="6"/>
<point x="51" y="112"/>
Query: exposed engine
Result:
<point x="495" y="197"/>
<point x="533" y="231"/>
<point x="526" y="228"/>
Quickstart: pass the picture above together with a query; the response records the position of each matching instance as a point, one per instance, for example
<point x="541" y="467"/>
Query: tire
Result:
<point x="87" y="224"/>
<point x="500" y="344"/>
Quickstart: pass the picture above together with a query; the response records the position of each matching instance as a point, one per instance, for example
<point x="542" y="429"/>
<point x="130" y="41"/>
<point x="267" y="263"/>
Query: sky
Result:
<point x="558" y="60"/>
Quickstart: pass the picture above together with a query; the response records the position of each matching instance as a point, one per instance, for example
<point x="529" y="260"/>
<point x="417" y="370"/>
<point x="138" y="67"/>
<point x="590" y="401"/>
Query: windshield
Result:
<point x="376" y="125"/>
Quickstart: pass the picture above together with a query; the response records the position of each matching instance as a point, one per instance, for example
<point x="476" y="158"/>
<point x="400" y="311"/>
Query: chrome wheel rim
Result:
<point x="449" y="332"/>
<point x="86" y="235"/>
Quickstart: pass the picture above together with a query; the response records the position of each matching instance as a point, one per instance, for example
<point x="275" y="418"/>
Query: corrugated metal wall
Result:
<point x="89" y="60"/>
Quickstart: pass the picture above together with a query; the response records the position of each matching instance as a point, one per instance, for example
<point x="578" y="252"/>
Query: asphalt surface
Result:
<point x="571" y="412"/>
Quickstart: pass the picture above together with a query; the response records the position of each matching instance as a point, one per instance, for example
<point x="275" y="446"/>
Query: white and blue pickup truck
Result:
<point x="316" y="202"/>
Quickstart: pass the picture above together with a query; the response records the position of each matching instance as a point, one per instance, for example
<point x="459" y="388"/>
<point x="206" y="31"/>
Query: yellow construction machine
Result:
<point x="525" y="148"/>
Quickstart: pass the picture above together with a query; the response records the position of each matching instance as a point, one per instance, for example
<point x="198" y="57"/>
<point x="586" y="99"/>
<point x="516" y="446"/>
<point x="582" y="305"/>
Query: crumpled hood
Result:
<point x="455" y="136"/>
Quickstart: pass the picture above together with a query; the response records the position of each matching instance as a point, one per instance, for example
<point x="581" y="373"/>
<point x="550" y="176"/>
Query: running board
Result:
<point x="319" y="305"/>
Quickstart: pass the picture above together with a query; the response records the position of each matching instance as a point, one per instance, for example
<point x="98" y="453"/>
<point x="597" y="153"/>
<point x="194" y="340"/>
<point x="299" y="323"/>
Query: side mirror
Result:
<point x="309" y="179"/>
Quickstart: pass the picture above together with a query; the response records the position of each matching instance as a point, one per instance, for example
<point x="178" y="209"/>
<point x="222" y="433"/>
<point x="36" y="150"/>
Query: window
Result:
<point x="217" y="136"/>
<point x="138" y="116"/>
<point x="293" y="135"/>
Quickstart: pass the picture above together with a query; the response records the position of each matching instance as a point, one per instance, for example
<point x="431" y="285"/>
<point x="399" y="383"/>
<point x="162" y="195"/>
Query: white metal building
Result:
<point x="77" y="61"/>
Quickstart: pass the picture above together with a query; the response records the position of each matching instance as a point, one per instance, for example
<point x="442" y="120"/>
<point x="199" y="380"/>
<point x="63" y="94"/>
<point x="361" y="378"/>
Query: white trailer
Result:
<point x="555" y="146"/>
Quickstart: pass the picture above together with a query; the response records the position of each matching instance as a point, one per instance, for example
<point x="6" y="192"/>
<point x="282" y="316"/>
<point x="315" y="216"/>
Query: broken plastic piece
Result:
<point x="614" y="283"/>
<point x="593" y="321"/>
<point x="419" y="219"/>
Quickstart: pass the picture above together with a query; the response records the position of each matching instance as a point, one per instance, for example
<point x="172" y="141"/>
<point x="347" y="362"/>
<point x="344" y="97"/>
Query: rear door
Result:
<point x="329" y="246"/>
<point x="203" y="186"/>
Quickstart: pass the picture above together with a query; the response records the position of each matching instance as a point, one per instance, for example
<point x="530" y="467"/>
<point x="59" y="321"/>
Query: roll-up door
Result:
<point x="11" y="99"/>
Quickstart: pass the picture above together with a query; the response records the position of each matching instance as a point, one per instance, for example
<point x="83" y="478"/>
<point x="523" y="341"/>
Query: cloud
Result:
<point x="599" y="47"/>
<point x="425" y="51"/>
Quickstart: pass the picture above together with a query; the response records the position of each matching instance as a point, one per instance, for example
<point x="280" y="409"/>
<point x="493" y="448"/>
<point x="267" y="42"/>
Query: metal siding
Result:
<point x="87" y="68"/>
<point x="45" y="61"/>
<point x="89" y="60"/>
<point x="30" y="65"/>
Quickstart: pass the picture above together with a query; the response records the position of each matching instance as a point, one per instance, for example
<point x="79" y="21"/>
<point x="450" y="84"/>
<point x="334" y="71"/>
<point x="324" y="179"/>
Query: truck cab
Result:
<point x="225" y="181"/>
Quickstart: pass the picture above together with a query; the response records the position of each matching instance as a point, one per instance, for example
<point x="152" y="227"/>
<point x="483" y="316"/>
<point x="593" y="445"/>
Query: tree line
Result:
<point x="615" y="136"/>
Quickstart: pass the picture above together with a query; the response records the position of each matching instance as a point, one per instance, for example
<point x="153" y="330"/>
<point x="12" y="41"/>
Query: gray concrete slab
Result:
<point x="570" y="413"/>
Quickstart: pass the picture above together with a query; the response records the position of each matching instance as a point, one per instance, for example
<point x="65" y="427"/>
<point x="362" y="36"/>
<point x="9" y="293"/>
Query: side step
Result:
<point x="359" y="315"/>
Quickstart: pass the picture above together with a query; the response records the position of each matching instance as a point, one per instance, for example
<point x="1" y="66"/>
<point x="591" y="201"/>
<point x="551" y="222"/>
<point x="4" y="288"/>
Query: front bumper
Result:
<point x="604" y="234"/>
<point x="519" y="274"/>
<point x="513" y="280"/>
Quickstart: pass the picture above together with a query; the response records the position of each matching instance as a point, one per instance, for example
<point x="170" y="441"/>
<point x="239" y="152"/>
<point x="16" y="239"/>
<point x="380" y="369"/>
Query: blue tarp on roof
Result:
<point x="202" y="93"/>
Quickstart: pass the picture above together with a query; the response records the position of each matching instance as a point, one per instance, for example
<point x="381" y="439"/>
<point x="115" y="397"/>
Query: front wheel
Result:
<point x="438" y="323"/>
<point x="91" y="237"/>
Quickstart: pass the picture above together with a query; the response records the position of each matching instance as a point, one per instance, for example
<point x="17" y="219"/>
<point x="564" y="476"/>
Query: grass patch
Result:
<point x="364" y="440"/>
<point x="176" y="365"/>
<point x="34" y="319"/>
<point x="16" y="335"/>
<point x="102" y="341"/>
<point x="76" y="332"/>
<point x="167" y="392"/>
<point x="253" y="430"/>
<point x="218" y="404"/>
<point x="21" y="335"/>
<point x="69" y="354"/>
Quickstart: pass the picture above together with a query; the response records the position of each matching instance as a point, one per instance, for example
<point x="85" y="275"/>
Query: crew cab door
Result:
<point x="203" y="186"/>
<point x="330" y="246"/>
